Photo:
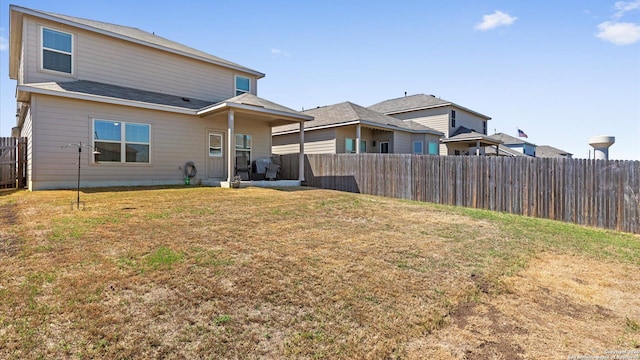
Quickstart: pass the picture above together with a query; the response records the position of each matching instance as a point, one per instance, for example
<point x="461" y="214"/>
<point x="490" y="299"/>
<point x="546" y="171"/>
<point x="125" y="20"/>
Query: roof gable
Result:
<point x="122" y="32"/>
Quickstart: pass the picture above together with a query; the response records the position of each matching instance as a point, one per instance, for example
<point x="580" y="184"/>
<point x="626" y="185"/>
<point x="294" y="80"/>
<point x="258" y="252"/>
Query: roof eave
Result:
<point x="362" y="122"/>
<point x="31" y="12"/>
<point x="394" y="127"/>
<point x="15" y="34"/>
<point x="105" y="99"/>
<point x="231" y="105"/>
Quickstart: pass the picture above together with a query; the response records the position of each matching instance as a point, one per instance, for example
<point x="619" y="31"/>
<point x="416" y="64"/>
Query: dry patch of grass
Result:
<point x="263" y="273"/>
<point x="560" y="306"/>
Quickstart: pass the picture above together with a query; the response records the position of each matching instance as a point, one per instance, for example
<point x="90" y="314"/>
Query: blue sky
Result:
<point x="561" y="71"/>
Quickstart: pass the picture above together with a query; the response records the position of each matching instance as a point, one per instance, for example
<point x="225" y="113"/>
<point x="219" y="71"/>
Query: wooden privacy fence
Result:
<point x="13" y="160"/>
<point x="597" y="193"/>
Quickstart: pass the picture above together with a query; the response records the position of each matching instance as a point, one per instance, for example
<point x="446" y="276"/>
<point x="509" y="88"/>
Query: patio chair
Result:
<point x="273" y="168"/>
<point x="243" y="167"/>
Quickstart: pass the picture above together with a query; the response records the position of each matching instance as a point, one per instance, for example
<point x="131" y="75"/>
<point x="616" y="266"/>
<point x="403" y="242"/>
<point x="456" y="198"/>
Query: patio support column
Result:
<point x="301" y="159"/>
<point x="358" y="133"/>
<point x="231" y="146"/>
<point x="477" y="147"/>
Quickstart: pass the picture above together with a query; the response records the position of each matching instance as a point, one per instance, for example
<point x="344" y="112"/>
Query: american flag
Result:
<point x="522" y="134"/>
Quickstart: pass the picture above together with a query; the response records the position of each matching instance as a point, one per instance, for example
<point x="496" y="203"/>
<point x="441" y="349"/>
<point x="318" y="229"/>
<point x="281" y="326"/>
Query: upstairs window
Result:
<point x="57" y="51"/>
<point x="484" y="127"/>
<point x="243" y="85"/>
<point x="453" y="118"/>
<point x="108" y="139"/>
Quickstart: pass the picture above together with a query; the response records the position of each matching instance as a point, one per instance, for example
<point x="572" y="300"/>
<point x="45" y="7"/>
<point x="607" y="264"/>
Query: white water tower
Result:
<point x="601" y="144"/>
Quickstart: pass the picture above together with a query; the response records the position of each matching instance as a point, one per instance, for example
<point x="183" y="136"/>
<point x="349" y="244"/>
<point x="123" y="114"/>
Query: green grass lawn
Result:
<point x="266" y="273"/>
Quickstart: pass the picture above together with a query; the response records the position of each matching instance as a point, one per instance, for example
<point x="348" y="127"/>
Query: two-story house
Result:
<point x="145" y="104"/>
<point x="465" y="130"/>
<point x="350" y="128"/>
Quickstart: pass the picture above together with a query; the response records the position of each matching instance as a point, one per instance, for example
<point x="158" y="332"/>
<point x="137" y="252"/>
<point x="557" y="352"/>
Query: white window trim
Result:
<point x="421" y="147"/>
<point x="235" y="85"/>
<point x="123" y="141"/>
<point x="250" y="150"/>
<point x="221" y="145"/>
<point x="354" y="145"/>
<point x="72" y="53"/>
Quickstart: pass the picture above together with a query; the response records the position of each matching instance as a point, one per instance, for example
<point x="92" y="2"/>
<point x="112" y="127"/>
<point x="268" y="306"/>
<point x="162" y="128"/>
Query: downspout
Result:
<point x="301" y="159"/>
<point x="231" y="145"/>
<point x="358" y="134"/>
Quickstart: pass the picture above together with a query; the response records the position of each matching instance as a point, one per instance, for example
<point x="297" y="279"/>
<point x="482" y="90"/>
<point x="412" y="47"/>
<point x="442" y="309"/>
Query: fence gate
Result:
<point x="13" y="162"/>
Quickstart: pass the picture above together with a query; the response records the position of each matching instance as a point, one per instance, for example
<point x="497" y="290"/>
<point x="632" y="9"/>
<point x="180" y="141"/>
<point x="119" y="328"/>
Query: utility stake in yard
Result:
<point x="95" y="152"/>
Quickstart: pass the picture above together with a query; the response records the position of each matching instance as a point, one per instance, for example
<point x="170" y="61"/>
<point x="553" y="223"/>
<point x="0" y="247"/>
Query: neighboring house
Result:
<point x="546" y="151"/>
<point x="502" y="150"/>
<point x="464" y="130"/>
<point x="147" y="104"/>
<point x="516" y="144"/>
<point x="351" y="128"/>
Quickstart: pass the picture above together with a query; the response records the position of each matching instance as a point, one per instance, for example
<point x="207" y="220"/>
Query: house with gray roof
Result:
<point x="516" y="144"/>
<point x="350" y="128"/>
<point x="546" y="151"/>
<point x="147" y="106"/>
<point x="456" y="122"/>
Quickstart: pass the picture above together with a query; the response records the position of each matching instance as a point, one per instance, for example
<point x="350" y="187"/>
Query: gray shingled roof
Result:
<point x="119" y="92"/>
<point x="92" y="88"/>
<point x="414" y="103"/>
<point x="347" y="112"/>
<point x="546" y="151"/>
<point x="250" y="99"/>
<point x="503" y="151"/>
<point x="407" y="103"/>
<point x="138" y="35"/>
<point x="463" y="134"/>
<point x="509" y="140"/>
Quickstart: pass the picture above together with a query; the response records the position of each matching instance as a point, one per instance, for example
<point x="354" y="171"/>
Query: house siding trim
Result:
<point x="38" y="14"/>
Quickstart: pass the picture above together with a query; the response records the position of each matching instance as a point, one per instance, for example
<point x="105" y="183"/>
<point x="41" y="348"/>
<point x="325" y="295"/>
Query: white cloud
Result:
<point x="498" y="18"/>
<point x="619" y="33"/>
<point x="278" y="52"/>
<point x="625" y="6"/>
<point x="4" y="43"/>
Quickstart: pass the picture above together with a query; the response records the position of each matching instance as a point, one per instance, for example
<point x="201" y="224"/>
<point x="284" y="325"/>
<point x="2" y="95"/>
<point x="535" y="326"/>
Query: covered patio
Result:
<point x="248" y="109"/>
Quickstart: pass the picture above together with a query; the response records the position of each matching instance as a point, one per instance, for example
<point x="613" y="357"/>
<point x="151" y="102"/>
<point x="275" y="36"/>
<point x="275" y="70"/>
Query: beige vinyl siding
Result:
<point x="344" y="132"/>
<point x="468" y="120"/>
<point x="109" y="60"/>
<point x="175" y="139"/>
<point x="381" y="135"/>
<point x="440" y="119"/>
<point x="437" y="118"/>
<point x="27" y="132"/>
<point x="321" y="141"/>
<point x="402" y="143"/>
